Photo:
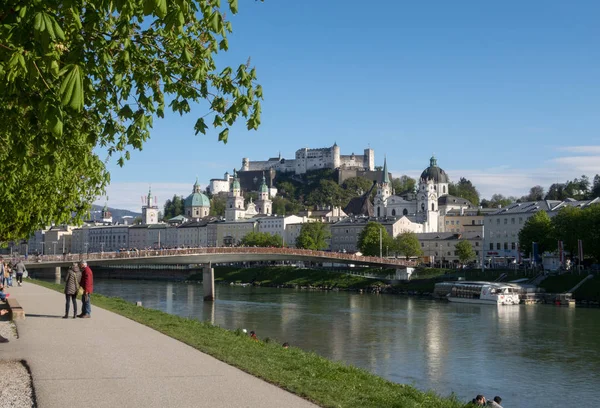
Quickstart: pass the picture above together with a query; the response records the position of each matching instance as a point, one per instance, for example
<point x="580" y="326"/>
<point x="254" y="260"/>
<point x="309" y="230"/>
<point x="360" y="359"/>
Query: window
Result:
<point x="436" y="244"/>
<point x="491" y="246"/>
<point x="455" y="253"/>
<point x="432" y="206"/>
<point x="498" y="221"/>
<point x="444" y="189"/>
<point x="520" y="220"/>
<point x="476" y="253"/>
<point x="505" y="221"/>
<point x="405" y="212"/>
<point x="448" y="253"/>
<point x="447" y="222"/>
<point x="477" y="243"/>
<point x="393" y="212"/>
<point x="472" y="222"/>
<point x="498" y="246"/>
<point x="452" y="222"/>
<point x="513" y="245"/>
<point x="512" y="220"/>
<point x="422" y="245"/>
<point x="506" y="245"/>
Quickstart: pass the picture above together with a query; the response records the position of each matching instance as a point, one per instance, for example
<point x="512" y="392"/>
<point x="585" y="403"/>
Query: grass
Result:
<point x="292" y="276"/>
<point x="590" y="290"/>
<point x="325" y="382"/>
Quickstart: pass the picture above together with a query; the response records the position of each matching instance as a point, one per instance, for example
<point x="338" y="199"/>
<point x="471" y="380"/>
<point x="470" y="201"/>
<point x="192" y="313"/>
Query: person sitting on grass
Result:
<point x="253" y="335"/>
<point x="3" y="295"/>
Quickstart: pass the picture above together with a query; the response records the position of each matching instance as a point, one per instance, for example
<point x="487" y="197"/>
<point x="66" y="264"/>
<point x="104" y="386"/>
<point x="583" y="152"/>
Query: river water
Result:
<point x="533" y="356"/>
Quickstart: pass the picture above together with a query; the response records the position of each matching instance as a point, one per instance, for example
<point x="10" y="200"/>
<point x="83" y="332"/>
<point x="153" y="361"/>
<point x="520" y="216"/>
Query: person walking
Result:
<point x="20" y="271"/>
<point x="3" y="277"/>
<point x="87" y="283"/>
<point x="71" y="287"/>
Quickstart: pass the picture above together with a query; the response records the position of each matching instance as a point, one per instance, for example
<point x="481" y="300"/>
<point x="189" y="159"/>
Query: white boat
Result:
<point x="490" y="293"/>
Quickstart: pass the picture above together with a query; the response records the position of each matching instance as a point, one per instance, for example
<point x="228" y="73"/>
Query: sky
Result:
<point x="506" y="94"/>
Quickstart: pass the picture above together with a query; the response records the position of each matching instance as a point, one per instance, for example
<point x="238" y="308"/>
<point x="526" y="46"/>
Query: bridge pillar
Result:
<point x="208" y="283"/>
<point x="57" y="274"/>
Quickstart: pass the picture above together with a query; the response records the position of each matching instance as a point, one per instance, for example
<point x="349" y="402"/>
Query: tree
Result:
<point x="408" y="245"/>
<point x="498" y="200"/>
<point x="464" y="251"/>
<point x="536" y="193"/>
<point x="464" y="189"/>
<point x="286" y="189"/>
<point x="595" y="192"/>
<point x="403" y="185"/>
<point x="357" y="186"/>
<point x="538" y="228"/>
<point x="217" y="205"/>
<point x="262" y="239"/>
<point x="173" y="207"/>
<point x="370" y="238"/>
<point x="556" y="192"/>
<point x="77" y="76"/>
<point x="313" y="235"/>
<point x="328" y="193"/>
<point x="283" y="206"/>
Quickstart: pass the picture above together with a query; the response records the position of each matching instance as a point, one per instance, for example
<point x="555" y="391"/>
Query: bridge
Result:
<point x="209" y="256"/>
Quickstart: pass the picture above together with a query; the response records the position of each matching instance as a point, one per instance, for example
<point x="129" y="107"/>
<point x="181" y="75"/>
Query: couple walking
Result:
<point x="79" y="279"/>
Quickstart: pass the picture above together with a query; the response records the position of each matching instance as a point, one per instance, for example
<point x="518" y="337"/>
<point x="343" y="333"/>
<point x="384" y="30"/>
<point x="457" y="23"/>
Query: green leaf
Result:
<point x="71" y="88"/>
<point x="223" y="135"/>
<point x="200" y="126"/>
<point x="233" y="6"/>
<point x="214" y="22"/>
<point x="148" y="7"/>
<point x="224" y="45"/>
<point x="161" y="8"/>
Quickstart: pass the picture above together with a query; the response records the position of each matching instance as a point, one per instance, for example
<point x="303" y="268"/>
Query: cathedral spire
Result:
<point x="149" y="202"/>
<point x="385" y="178"/>
<point x="433" y="161"/>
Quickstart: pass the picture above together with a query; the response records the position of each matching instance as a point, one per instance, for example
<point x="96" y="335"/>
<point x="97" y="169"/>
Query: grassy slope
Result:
<point x="327" y="383"/>
<point x="287" y="275"/>
<point x="590" y="290"/>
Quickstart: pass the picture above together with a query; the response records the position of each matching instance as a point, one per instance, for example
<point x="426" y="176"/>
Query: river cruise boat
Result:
<point x="490" y="293"/>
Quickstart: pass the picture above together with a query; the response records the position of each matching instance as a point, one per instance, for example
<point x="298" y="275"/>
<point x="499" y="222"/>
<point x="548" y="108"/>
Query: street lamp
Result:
<point x="86" y="247"/>
<point x="101" y="246"/>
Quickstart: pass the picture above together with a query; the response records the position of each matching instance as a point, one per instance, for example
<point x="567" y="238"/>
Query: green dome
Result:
<point x="263" y="185"/>
<point x="197" y="200"/>
<point x="433" y="172"/>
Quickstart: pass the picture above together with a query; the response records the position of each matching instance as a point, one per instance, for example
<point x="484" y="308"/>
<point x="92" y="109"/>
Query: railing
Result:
<point x="147" y="253"/>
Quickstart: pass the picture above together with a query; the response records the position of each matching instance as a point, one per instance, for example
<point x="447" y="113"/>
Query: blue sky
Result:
<point x="504" y="93"/>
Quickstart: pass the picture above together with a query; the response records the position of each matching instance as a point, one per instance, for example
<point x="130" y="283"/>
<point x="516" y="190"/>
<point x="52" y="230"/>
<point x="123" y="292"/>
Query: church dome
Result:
<point x="433" y="172"/>
<point x="197" y="199"/>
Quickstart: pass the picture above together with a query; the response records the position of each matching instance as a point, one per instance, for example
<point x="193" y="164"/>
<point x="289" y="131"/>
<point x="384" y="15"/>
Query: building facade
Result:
<point x="439" y="248"/>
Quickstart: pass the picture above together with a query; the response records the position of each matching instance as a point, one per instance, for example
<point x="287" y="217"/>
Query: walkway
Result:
<point x="111" y="361"/>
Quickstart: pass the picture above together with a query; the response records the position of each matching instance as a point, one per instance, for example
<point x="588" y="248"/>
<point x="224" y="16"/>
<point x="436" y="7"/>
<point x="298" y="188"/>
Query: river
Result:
<point x="533" y="356"/>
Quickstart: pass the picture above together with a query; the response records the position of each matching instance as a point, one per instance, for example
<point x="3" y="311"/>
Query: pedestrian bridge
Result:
<point x="211" y="255"/>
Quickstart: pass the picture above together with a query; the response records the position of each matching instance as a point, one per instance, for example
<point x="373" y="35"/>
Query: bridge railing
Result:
<point x="146" y="253"/>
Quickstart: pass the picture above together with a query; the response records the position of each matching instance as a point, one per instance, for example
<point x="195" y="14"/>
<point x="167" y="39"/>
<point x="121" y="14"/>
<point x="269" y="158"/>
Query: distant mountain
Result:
<point x="117" y="214"/>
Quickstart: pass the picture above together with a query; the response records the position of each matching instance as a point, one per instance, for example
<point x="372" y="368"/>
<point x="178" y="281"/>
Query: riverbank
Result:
<point x="327" y="383"/>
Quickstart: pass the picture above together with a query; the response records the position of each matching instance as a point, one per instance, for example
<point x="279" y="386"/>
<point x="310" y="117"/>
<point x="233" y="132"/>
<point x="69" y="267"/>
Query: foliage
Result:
<point x="328" y="383"/>
<point x="464" y="189"/>
<point x="578" y="188"/>
<point x="283" y="206"/>
<point x="328" y="193"/>
<point x="408" y="245"/>
<point x="218" y="202"/>
<point x="538" y="228"/>
<point x="572" y="224"/>
<point x="498" y="200"/>
<point x="464" y="251"/>
<point x="403" y="184"/>
<point x="536" y="193"/>
<point x="313" y="235"/>
<point x="76" y="76"/>
<point x="357" y="186"/>
<point x="262" y="239"/>
<point x="370" y="238"/>
<point x="173" y="207"/>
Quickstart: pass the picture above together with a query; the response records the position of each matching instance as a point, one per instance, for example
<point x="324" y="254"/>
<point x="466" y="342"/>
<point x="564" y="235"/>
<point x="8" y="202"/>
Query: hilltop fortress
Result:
<point x="314" y="159"/>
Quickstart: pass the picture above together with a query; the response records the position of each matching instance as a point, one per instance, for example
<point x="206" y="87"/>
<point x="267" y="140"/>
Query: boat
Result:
<point x="489" y="293"/>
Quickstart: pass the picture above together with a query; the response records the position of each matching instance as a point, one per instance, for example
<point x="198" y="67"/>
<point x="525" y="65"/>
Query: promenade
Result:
<point x="111" y="361"/>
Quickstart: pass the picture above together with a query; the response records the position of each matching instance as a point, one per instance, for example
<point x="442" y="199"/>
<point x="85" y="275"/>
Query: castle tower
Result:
<point x="245" y="164"/>
<point x="369" y="159"/>
<point x="264" y="205"/>
<point x="235" y="209"/>
<point x="150" y="210"/>
<point x="335" y="154"/>
<point x="384" y="191"/>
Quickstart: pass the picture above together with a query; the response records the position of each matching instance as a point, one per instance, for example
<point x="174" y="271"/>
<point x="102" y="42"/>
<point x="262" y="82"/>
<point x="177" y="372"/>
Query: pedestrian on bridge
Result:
<point x="87" y="283"/>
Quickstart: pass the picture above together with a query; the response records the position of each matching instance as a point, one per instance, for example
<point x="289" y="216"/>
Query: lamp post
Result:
<point x="102" y="246"/>
<point x="85" y="250"/>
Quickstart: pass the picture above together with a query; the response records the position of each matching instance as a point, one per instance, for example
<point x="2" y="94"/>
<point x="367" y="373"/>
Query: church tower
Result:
<point x="384" y="191"/>
<point x="235" y="209"/>
<point x="150" y="210"/>
<point x="432" y="185"/>
<point x="264" y="205"/>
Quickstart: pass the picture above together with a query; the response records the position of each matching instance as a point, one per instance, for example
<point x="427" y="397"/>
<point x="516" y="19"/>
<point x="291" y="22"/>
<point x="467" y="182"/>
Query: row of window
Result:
<point x="449" y="244"/>
<point x="513" y="245"/>
<point x="513" y="220"/>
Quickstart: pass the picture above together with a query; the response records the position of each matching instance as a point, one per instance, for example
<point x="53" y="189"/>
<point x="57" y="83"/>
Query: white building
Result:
<point x="439" y="248"/>
<point x="314" y="159"/>
<point x="217" y="186"/>
<point x="345" y="233"/>
<point x="235" y="209"/>
<point x="150" y="210"/>
<point x="426" y="206"/>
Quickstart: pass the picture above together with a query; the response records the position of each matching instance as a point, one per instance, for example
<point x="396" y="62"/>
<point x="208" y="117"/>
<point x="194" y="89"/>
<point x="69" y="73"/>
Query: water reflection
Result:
<point x="544" y="355"/>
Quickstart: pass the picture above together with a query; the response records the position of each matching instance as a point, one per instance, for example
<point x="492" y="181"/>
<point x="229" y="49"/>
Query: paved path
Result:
<point x="111" y="361"/>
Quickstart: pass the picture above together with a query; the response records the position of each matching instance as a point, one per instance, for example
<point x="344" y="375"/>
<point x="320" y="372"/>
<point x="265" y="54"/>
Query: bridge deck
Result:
<point x="213" y="255"/>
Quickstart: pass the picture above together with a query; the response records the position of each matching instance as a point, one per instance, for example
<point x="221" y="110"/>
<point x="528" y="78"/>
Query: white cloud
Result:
<point x="128" y="196"/>
<point x="580" y="149"/>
